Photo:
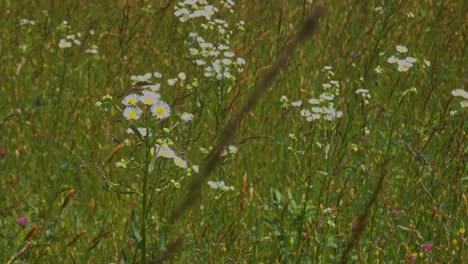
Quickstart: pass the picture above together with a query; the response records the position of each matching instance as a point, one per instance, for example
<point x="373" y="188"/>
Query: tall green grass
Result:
<point x="373" y="186"/>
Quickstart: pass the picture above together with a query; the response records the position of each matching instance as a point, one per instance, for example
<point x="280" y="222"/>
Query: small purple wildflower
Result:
<point x="426" y="247"/>
<point x="23" y="221"/>
<point x="395" y="212"/>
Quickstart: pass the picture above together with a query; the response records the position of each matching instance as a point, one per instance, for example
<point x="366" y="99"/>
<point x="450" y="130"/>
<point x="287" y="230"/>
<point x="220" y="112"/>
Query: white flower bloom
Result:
<point x="219" y="185"/>
<point x="149" y="97"/>
<point x="195" y="168"/>
<point x="460" y="92"/>
<point x="240" y="61"/>
<point x="163" y="151"/>
<point x="326" y="85"/>
<point x="186" y="117"/>
<point x="64" y="44"/>
<point x="180" y="162"/>
<point x="132" y="113"/>
<point x="228" y="54"/>
<point x="401" y="49"/>
<point x="157" y="74"/>
<point x="161" y="110"/>
<point x="131" y="99"/>
<point x="296" y="103"/>
<point x="305" y="113"/>
<point x="464" y="103"/>
<point x="392" y="60"/>
<point x="314" y="101"/>
<point x="411" y="59"/>
<point x="182" y="76"/>
<point x="227" y="61"/>
<point x="171" y="82"/>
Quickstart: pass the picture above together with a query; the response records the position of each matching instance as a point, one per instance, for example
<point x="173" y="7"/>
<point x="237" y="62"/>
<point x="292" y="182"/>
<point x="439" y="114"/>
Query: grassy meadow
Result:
<point x="111" y="114"/>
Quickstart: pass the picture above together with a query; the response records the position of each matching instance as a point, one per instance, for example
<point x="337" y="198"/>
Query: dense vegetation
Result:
<point x="355" y="153"/>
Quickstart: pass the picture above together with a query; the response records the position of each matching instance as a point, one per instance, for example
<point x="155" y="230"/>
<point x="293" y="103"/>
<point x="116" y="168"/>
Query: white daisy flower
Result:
<point x="240" y="61"/>
<point x="132" y="113"/>
<point x="305" y="113"/>
<point x="460" y="92"/>
<point x="464" y="103"/>
<point x="180" y="162"/>
<point x="411" y="59"/>
<point x="149" y="97"/>
<point x="171" y="82"/>
<point x="161" y="110"/>
<point x="296" y="103"/>
<point x="186" y="117"/>
<point x="64" y="44"/>
<point x="392" y="60"/>
<point x="131" y="99"/>
<point x="162" y="151"/>
<point x="401" y="49"/>
<point x="228" y="54"/>
<point x="314" y="101"/>
<point x="157" y="74"/>
<point x="182" y="76"/>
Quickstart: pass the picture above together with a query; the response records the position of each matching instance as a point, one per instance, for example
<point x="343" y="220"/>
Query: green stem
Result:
<point x="145" y="195"/>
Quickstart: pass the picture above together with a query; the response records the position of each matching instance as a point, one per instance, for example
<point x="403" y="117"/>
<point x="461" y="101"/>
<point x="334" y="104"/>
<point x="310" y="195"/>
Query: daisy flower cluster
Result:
<point x="190" y="9"/>
<point x="147" y="99"/>
<point x="403" y="65"/>
<point x="25" y="21"/>
<point x="221" y="185"/>
<point x="74" y="39"/>
<point x="461" y="93"/>
<point x="365" y="94"/>
<point x="217" y="59"/>
<point x="322" y="107"/>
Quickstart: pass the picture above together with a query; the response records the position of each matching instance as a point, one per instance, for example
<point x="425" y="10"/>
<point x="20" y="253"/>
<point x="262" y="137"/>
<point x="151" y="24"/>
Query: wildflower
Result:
<point x="395" y="212"/>
<point x="132" y="113"/>
<point x="91" y="51"/>
<point x="229" y="54"/>
<point x="149" y="97"/>
<point x="305" y="113"/>
<point x="171" y="82"/>
<point x="426" y="247"/>
<point x="314" y="101"/>
<point x="180" y="162"/>
<point x="142" y="130"/>
<point x="326" y="85"/>
<point x="182" y="76"/>
<point x="157" y="74"/>
<point x="64" y="44"/>
<point x="240" y="61"/>
<point x="378" y="70"/>
<point x="336" y="83"/>
<point x="401" y="49"/>
<point x="163" y="151"/>
<point x="227" y="62"/>
<point x="23" y="221"/>
<point x="297" y="103"/>
<point x="195" y="168"/>
<point x="462" y="230"/>
<point x="327" y="97"/>
<point x="464" y="103"/>
<point x="392" y="60"/>
<point x="131" y="99"/>
<point x="460" y="92"/>
<point x="327" y="68"/>
<point x="220" y="185"/>
<point x="232" y="149"/>
<point x="427" y="63"/>
<point x="186" y="117"/>
<point x="161" y="110"/>
<point x="411" y="59"/>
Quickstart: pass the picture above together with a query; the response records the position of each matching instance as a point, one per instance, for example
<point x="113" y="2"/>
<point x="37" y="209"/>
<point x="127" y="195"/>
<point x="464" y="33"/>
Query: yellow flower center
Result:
<point x="133" y="115"/>
<point x="160" y="110"/>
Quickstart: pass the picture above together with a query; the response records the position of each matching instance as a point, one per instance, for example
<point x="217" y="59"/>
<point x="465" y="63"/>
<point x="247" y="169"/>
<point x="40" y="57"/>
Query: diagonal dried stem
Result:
<point x="309" y="27"/>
